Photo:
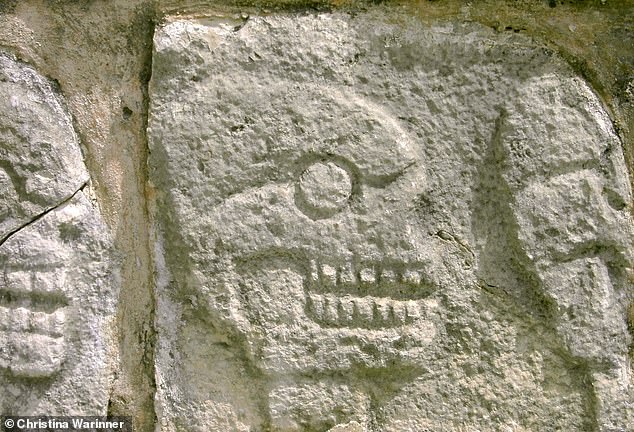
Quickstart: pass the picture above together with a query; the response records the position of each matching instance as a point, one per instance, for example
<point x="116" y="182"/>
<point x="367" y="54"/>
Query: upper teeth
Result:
<point x="347" y="274"/>
<point x="367" y="275"/>
<point x="412" y="276"/>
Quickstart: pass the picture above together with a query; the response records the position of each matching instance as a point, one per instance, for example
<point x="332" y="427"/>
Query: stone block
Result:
<point x="364" y="222"/>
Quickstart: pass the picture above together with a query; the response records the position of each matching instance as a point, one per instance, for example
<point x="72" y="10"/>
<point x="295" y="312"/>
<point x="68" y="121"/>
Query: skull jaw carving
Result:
<point x="304" y="331"/>
<point x="330" y="294"/>
<point x="33" y="307"/>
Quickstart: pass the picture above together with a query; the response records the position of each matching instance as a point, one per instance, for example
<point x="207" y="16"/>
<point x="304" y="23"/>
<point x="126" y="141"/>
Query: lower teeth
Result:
<point x="361" y="312"/>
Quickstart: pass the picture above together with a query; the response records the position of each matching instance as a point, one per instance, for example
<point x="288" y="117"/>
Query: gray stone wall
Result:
<point x="314" y="216"/>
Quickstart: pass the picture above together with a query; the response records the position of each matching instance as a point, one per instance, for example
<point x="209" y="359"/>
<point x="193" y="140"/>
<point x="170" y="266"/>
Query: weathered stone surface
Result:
<point x="58" y="276"/>
<point x="365" y="223"/>
<point x="40" y="160"/>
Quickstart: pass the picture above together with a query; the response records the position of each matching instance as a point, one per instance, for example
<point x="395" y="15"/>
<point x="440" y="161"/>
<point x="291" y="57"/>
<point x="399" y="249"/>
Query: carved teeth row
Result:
<point x="39" y="281"/>
<point x="367" y="312"/>
<point x="347" y="275"/>
<point x="22" y="320"/>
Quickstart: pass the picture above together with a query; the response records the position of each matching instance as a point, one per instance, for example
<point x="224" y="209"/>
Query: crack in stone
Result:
<point x="41" y="215"/>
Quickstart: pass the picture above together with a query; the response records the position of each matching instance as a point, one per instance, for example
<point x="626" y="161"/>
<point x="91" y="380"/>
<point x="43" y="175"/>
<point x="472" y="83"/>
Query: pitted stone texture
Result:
<point x="365" y="223"/>
<point x="40" y="160"/>
<point x="58" y="284"/>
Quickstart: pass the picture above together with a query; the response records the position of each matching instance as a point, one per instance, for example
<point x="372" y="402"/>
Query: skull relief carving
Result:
<point x="365" y="231"/>
<point x="57" y="285"/>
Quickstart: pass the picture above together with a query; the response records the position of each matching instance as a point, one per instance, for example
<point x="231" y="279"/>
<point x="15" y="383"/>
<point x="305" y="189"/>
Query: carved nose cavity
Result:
<point x="323" y="189"/>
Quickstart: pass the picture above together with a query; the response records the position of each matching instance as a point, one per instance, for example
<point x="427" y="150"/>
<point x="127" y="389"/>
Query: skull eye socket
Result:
<point x="323" y="189"/>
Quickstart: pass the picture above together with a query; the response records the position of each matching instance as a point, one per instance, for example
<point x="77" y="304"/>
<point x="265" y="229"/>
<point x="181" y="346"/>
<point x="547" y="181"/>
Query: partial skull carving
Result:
<point x="40" y="160"/>
<point x="57" y="273"/>
<point x="33" y="331"/>
<point x="368" y="224"/>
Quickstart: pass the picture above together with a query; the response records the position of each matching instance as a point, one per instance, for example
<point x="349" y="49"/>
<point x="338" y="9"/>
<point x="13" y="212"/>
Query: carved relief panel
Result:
<point x="366" y="222"/>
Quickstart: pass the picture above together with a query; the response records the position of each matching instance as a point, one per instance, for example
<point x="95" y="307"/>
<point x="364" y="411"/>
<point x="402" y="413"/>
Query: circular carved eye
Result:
<point x="323" y="189"/>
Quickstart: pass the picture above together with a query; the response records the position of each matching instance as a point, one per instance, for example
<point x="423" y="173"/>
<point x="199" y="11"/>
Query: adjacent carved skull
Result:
<point x="57" y="286"/>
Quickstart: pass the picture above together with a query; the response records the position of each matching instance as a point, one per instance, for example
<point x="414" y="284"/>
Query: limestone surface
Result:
<point x="367" y="223"/>
<point x="40" y="159"/>
<point x="58" y="284"/>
